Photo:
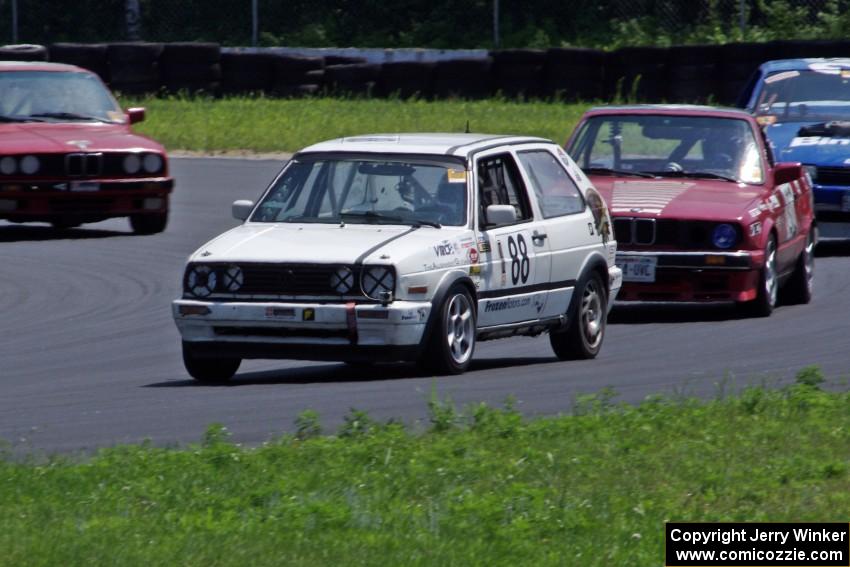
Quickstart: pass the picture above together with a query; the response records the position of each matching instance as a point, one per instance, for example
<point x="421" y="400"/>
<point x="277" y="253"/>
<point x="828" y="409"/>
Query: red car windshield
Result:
<point x="56" y="96"/>
<point x="668" y="146"/>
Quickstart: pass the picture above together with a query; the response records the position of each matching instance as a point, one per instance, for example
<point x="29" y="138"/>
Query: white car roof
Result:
<point x="460" y="145"/>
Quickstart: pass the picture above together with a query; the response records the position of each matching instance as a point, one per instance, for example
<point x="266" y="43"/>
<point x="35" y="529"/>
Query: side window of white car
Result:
<point x="556" y="192"/>
<point x="499" y="183"/>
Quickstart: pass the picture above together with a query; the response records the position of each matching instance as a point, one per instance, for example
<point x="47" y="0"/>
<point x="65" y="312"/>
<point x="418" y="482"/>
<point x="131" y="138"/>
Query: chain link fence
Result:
<point x="665" y="22"/>
<point x="441" y="24"/>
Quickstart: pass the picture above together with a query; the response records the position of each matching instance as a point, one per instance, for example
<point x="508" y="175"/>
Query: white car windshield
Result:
<point x="647" y="145"/>
<point x="805" y="96"/>
<point x="384" y="190"/>
<point x="49" y="96"/>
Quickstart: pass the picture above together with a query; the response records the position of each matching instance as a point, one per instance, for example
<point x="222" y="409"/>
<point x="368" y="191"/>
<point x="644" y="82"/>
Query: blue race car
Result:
<point x="804" y="107"/>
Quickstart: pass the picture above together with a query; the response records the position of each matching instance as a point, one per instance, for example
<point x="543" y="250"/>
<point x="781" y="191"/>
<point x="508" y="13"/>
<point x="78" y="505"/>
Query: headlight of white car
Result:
<point x="342" y="280"/>
<point x="201" y="281"/>
<point x="377" y="280"/>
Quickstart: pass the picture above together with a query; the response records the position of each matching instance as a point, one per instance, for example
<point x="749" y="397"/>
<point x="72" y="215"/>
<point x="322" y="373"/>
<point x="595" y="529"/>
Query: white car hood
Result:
<point x="323" y="243"/>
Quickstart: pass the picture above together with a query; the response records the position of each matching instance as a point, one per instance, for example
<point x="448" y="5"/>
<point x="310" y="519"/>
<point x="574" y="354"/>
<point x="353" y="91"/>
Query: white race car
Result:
<point x="404" y="248"/>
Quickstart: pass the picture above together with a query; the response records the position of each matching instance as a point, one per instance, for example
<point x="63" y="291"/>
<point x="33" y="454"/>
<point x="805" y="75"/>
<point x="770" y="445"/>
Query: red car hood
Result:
<point x="693" y="199"/>
<point x="45" y="137"/>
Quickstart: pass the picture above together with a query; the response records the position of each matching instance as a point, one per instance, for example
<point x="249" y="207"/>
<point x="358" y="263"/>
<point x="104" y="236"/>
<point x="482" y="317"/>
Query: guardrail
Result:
<point x="691" y="73"/>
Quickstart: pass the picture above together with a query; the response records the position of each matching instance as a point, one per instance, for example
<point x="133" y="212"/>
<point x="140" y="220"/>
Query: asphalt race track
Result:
<point x="90" y="357"/>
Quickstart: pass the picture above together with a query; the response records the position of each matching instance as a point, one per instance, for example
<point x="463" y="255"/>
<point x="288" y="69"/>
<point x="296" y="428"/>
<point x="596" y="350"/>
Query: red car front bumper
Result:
<point x="695" y="276"/>
<point x="84" y="200"/>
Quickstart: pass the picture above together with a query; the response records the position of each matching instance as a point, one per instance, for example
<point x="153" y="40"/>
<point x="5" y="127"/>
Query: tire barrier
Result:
<point x="134" y="67"/>
<point x="343" y="60"/>
<point x="638" y="73"/>
<point x="406" y="79"/>
<point x="738" y="62"/>
<point x="243" y="73"/>
<point x="191" y="67"/>
<point x="518" y="72"/>
<point x="573" y="73"/>
<point x="692" y="72"/>
<point x="463" y="78"/>
<point x="352" y="78"/>
<point x="689" y="73"/>
<point x="297" y="76"/>
<point x="91" y="56"/>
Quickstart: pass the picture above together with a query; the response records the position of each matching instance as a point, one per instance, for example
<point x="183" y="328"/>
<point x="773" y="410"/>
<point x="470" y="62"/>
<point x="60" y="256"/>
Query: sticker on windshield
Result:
<point x="457" y="176"/>
<point x="831" y="67"/>
<point x="818" y="141"/>
<point x="782" y="76"/>
<point x="116" y="116"/>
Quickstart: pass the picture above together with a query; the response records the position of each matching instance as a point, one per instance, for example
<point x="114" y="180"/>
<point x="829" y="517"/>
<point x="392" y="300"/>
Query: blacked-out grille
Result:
<point x="635" y="231"/>
<point x="291" y="279"/>
<point x="833" y="176"/>
<point x="623" y="231"/>
<point x="682" y="235"/>
<point x="285" y="279"/>
<point x="84" y="164"/>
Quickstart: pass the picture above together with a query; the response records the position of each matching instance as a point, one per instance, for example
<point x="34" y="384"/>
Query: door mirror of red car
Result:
<point x="786" y="173"/>
<point x="135" y="114"/>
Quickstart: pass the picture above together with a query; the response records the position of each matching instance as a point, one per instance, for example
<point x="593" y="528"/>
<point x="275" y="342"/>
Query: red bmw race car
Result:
<point x="701" y="211"/>
<point x="68" y="155"/>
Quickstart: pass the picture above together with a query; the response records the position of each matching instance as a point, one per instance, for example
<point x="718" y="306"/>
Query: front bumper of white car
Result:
<point x="307" y="331"/>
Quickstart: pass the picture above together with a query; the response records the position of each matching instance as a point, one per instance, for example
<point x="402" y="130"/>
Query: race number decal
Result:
<point x="520" y="264"/>
<point x="512" y="260"/>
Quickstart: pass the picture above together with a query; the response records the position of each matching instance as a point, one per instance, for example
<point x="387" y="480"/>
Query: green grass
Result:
<point x="484" y="488"/>
<point x="287" y="125"/>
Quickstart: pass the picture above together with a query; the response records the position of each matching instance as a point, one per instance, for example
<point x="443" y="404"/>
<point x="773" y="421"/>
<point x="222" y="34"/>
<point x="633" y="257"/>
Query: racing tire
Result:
<point x="452" y="341"/>
<point x="768" y="292"/>
<point x="209" y="370"/>
<point x="585" y="332"/>
<point x="149" y="223"/>
<point x="799" y="287"/>
<point x="23" y="52"/>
